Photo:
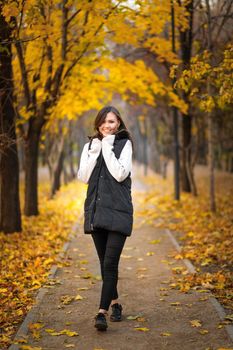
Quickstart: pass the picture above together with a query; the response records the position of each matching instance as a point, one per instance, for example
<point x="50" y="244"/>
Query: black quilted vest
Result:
<point x="108" y="204"/>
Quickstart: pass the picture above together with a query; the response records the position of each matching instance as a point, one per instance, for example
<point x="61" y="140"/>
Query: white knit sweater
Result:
<point x="118" y="168"/>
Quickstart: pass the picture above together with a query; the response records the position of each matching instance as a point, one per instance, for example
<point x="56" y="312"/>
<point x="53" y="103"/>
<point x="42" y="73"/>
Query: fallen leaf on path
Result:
<point x="83" y="262"/>
<point x="83" y="288"/>
<point x="64" y="331"/>
<point x="166" y="334"/>
<point x="178" y="269"/>
<point x="28" y="347"/>
<point x="142" y="329"/>
<point x="133" y="317"/>
<point x="78" y="297"/>
<point x="66" y="299"/>
<point x="229" y="317"/>
<point x="195" y="323"/>
<point x="98" y="277"/>
<point x="155" y="241"/>
<point x="175" y="303"/>
<point x="87" y="276"/>
<point x="69" y="345"/>
<point x="178" y="257"/>
<point x="150" y="253"/>
<point x="203" y="331"/>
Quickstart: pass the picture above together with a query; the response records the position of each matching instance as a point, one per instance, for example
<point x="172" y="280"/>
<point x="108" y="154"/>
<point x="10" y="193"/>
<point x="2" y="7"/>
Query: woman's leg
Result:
<point x="114" y="246"/>
<point x="100" y="240"/>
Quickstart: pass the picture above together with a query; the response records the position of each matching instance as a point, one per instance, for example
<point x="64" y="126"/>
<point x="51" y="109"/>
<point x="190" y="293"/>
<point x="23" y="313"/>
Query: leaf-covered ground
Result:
<point x="206" y="237"/>
<point x="26" y="257"/>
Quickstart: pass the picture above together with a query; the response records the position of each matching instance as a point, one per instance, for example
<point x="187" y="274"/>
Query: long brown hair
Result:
<point x="100" y="119"/>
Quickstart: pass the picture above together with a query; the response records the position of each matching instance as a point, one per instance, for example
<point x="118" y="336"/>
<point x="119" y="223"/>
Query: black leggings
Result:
<point x="109" y="246"/>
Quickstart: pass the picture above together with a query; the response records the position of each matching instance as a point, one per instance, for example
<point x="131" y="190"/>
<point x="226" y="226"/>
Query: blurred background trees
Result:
<point x="70" y="58"/>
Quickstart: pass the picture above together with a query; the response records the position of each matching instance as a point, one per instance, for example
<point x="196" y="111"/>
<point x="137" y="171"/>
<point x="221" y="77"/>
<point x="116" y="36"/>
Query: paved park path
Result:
<point x="145" y="272"/>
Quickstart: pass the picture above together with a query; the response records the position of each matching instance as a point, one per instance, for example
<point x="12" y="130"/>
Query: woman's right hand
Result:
<point x="96" y="145"/>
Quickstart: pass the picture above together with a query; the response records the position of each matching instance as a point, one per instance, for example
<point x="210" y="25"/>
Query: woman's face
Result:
<point x="110" y="124"/>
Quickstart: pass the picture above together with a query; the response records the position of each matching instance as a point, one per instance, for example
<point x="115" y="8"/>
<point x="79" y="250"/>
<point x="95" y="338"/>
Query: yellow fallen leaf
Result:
<point x="175" y="303"/>
<point x="150" y="253"/>
<point x="195" y="323"/>
<point x="155" y="241"/>
<point x="133" y="317"/>
<point x="166" y="334"/>
<point x="78" y="297"/>
<point x="86" y="276"/>
<point x="49" y="330"/>
<point x="64" y="331"/>
<point x="28" y="347"/>
<point x="83" y="261"/>
<point x="69" y="345"/>
<point x="83" y="288"/>
<point x="66" y="299"/>
<point x="142" y="329"/>
<point x="178" y="256"/>
<point x="203" y="331"/>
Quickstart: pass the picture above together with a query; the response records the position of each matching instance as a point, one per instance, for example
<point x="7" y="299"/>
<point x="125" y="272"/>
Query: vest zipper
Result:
<point x="93" y="212"/>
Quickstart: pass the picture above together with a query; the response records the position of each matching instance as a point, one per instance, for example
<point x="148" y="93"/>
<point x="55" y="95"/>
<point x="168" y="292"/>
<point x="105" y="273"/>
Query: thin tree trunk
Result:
<point x="31" y="168"/>
<point x="210" y="122"/>
<point x="71" y="159"/>
<point x="57" y="174"/>
<point x="186" y="39"/>
<point x="10" y="217"/>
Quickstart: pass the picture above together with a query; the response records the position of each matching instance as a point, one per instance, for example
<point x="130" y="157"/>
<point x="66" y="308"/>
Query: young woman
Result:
<point x="105" y="164"/>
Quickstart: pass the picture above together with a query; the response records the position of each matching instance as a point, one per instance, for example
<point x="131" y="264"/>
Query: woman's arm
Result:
<point x="88" y="160"/>
<point x="118" y="168"/>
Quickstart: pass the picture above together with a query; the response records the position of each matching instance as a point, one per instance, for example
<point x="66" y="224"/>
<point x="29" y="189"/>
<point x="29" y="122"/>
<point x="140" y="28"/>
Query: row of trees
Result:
<point x="61" y="58"/>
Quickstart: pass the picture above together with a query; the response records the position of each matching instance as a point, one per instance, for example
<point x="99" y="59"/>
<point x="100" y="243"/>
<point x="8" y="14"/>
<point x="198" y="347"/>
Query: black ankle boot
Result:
<point x="100" y="322"/>
<point x="116" y="315"/>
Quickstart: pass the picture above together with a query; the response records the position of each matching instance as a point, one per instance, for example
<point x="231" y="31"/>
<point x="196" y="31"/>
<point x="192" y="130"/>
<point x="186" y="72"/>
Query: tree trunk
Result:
<point x="186" y="151"/>
<point x="186" y="39"/>
<point x="10" y="217"/>
<point x="57" y="174"/>
<point x="31" y="170"/>
<point x="71" y="159"/>
<point x="210" y="120"/>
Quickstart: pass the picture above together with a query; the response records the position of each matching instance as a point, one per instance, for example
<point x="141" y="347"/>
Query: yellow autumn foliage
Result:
<point x="206" y="237"/>
<point x="27" y="257"/>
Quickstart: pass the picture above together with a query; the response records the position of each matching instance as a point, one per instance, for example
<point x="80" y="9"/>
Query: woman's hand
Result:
<point x="95" y="145"/>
